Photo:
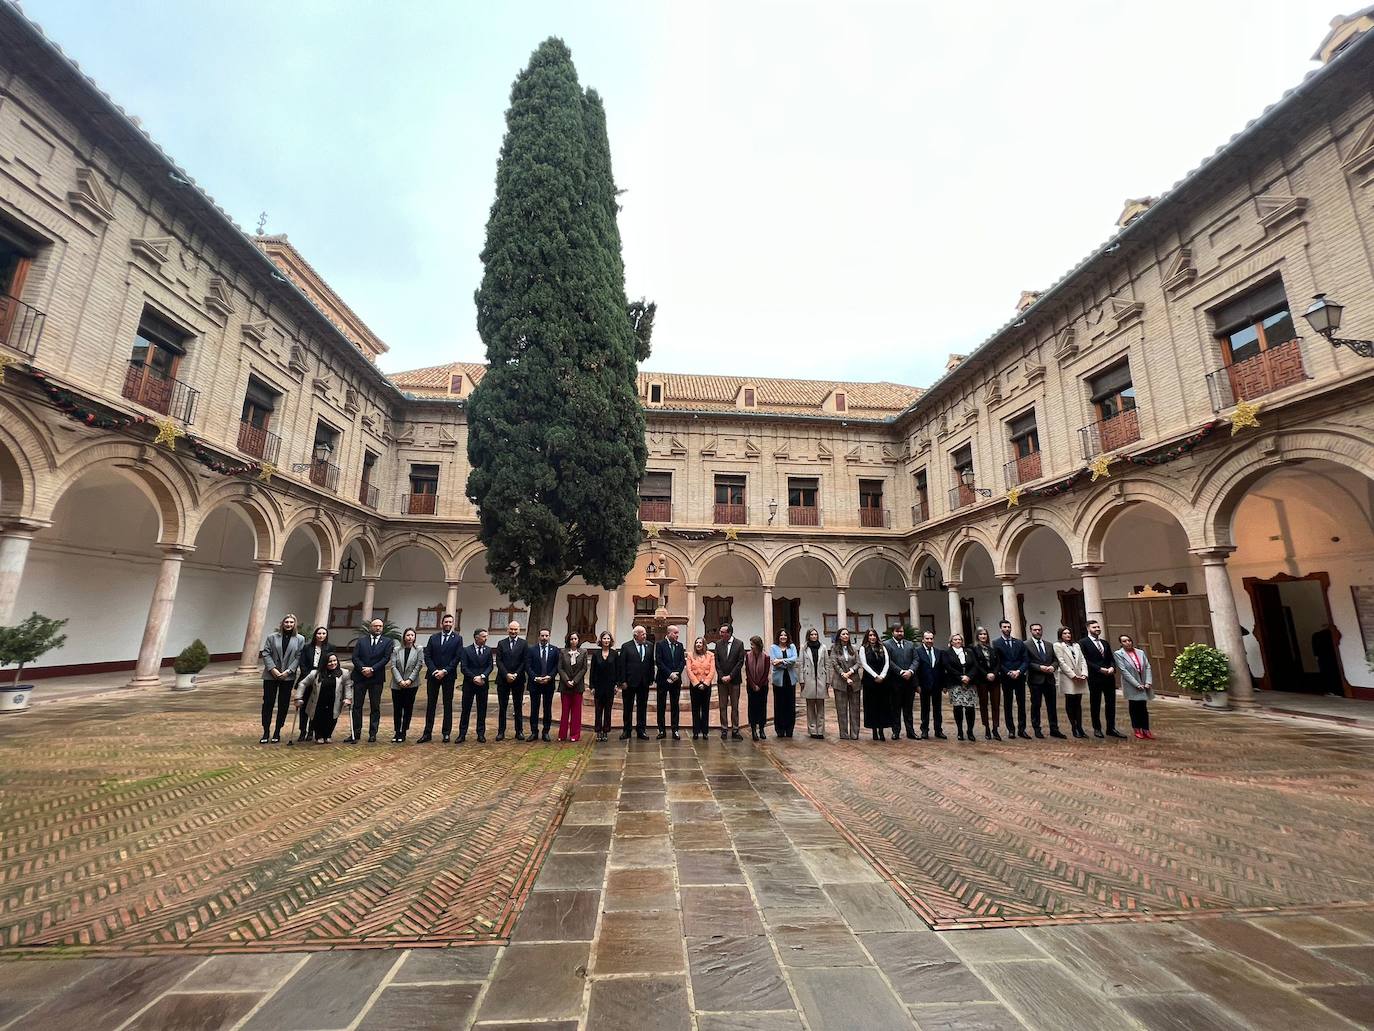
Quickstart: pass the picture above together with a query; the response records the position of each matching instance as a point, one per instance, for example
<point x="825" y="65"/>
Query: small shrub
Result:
<point x="1201" y="668"/>
<point x="193" y="658"/>
<point x="30" y="640"/>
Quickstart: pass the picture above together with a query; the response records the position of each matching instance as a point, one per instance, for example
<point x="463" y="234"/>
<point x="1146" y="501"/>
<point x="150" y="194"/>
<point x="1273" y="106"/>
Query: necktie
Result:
<point x="443" y="640"/>
<point x="544" y="653"/>
<point x="374" y="642"/>
<point x="641" y="653"/>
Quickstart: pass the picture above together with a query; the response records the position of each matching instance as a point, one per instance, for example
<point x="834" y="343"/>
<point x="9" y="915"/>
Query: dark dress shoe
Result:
<point x="753" y="734"/>
<point x="925" y="735"/>
<point x="624" y="737"/>
<point x="661" y="735"/>
<point x="1022" y="733"/>
<point x="641" y="735"/>
<point x="546" y="736"/>
<point x="499" y="737"/>
<point x="735" y="735"/>
<point x="519" y="735"/>
<point x="940" y="735"/>
<point x="763" y="736"/>
<point x="460" y="739"/>
<point x="372" y="739"/>
<point x="724" y="733"/>
<point x="1038" y="733"/>
<point x="264" y="740"/>
<point x="446" y="739"/>
<point x="423" y="739"/>
<point x="276" y="739"/>
<point x="1097" y="733"/>
<point x="1057" y="733"/>
<point x="481" y="740"/>
<point x="678" y="737"/>
<point x="1116" y="733"/>
<point x="995" y="735"/>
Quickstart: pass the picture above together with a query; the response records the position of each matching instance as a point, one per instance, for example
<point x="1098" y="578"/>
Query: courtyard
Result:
<point x="162" y="870"/>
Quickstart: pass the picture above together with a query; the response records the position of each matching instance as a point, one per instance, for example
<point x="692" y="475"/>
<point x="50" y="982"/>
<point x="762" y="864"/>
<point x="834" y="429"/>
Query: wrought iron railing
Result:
<point x="368" y="495"/>
<point x="20" y="324"/>
<point x="419" y="504"/>
<point x="961" y="497"/>
<point x="151" y="388"/>
<point x="259" y="442"/>
<point x="320" y="472"/>
<point x="874" y="517"/>
<point x="920" y="512"/>
<point x="655" y="510"/>
<point x="803" y="515"/>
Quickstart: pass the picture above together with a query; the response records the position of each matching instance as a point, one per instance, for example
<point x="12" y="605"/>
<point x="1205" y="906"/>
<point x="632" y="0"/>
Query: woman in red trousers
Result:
<point x="572" y="682"/>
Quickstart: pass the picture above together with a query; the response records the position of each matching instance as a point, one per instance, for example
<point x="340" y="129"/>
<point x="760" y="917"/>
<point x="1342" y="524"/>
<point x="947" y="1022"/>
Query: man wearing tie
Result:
<point x="1043" y="663"/>
<point x="901" y="655"/>
<point x="930" y="677"/>
<point x="670" y="659"/>
<point x="441" y="670"/>
<point x="1101" y="678"/>
<point x="371" y="656"/>
<point x="1015" y="663"/>
<point x="542" y="674"/>
<point x="477" y="663"/>
<point x="637" y="666"/>
<point x="729" y="667"/>
<point x="512" y="657"/>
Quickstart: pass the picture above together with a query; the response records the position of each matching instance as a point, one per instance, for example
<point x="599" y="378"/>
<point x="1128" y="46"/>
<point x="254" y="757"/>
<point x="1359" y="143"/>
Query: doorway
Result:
<point x="1297" y="637"/>
<point x="786" y="616"/>
<point x="1073" y="613"/>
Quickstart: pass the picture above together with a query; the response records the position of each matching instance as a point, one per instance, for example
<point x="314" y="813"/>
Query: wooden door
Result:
<point x="786" y="616"/>
<point x="1073" y="613"/>
<point x="1161" y="624"/>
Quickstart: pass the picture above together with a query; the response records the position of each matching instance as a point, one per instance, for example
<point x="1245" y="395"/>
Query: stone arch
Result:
<point x="676" y="554"/>
<point x="873" y="553"/>
<point x="258" y="507"/>
<point x="361" y="538"/>
<point x="169" y="486"/>
<point x="423" y="541"/>
<point x="26" y="452"/>
<point x="735" y="549"/>
<point x="1013" y="534"/>
<point x="793" y="552"/>
<point x="320" y="532"/>
<point x="959" y="548"/>
<point x="1098" y="511"/>
<point x="923" y="554"/>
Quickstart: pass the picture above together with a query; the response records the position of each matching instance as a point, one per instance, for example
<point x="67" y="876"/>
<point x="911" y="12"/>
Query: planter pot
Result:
<point x="1216" y="700"/>
<point x="15" y="697"/>
<point x="185" y="682"/>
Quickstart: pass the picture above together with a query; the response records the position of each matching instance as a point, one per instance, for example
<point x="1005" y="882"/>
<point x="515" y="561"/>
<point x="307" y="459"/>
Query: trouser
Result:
<point x="570" y="717"/>
<point x="636" y="713"/>
<point x="847" y="713"/>
<point x="1014" y="690"/>
<point x="701" y="709"/>
<point x="758" y="708"/>
<point x="304" y="722"/>
<point x="605" y="706"/>
<point x="906" y="706"/>
<point x="988" y="694"/>
<point x="1045" y="693"/>
<point x="784" y="707"/>
<point x="1103" y="695"/>
<point x="275" y="692"/>
<point x="473" y="692"/>
<point x="1140" y="714"/>
<point x="729" y="706"/>
<point x="322" y="724"/>
<point x="402" y="705"/>
<point x="932" y="704"/>
<point x="963" y="718"/>
<point x="815" y="716"/>
<point x="541" y="696"/>
<point x="435" y="690"/>
<point x="512" y="693"/>
<point x="374" y="709"/>
<point x="1073" y="709"/>
<point x="667" y="698"/>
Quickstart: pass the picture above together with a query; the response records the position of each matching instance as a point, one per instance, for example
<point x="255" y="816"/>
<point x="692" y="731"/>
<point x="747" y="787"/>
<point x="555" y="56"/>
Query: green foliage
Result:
<point x="29" y="640"/>
<point x="193" y="658"/>
<point x="1201" y="668"/>
<point x="555" y="428"/>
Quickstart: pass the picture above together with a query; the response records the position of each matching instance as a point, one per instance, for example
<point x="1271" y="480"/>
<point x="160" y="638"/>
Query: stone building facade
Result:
<point x="195" y="437"/>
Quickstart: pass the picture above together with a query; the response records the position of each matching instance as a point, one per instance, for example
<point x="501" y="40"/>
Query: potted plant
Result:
<point x="1202" y="669"/>
<point x="22" y="644"/>
<point x="193" y="658"/>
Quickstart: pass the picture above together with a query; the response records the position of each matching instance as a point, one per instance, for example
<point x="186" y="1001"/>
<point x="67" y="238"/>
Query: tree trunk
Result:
<point x="541" y="617"/>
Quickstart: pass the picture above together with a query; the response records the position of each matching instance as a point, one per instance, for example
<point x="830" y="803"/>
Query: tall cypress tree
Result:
<point x="555" y="429"/>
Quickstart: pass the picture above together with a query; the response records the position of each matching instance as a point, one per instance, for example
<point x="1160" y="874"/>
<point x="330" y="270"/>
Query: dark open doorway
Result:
<point x="1297" y="636"/>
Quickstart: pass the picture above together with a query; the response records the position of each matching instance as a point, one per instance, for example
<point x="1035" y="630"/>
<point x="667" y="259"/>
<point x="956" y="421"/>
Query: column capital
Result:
<point x="267" y="565"/>
<point x="1007" y="579"/>
<point x="953" y="585"/>
<point x="452" y="585"/>
<point x="1087" y="568"/>
<point x="691" y="585"/>
<point x="842" y="586"/>
<point x="328" y="574"/>
<point x="23" y="527"/>
<point x="176" y="552"/>
<point x="767" y="588"/>
<point x="1216" y="555"/>
<point x="372" y="578"/>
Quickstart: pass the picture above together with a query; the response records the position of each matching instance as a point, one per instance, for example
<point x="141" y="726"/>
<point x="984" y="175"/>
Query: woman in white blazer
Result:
<point x="1072" y="674"/>
<point x="814" y="675"/>
<point x="407" y="666"/>
<point x="326" y="692"/>
<point x="1137" y="684"/>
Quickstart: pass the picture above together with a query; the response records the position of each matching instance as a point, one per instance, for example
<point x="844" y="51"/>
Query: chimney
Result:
<point x="1028" y="297"/>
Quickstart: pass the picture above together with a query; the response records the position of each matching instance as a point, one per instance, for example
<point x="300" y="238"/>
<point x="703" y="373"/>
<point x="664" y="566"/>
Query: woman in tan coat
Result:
<point x="1072" y="674"/>
<point x="813" y="673"/>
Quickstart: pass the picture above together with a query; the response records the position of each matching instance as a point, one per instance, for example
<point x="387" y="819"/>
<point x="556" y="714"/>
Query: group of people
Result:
<point x="875" y="683"/>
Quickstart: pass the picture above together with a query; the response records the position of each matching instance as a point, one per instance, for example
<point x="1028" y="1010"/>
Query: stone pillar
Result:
<point x="841" y="606"/>
<point x="693" y="628"/>
<point x="159" y="616"/>
<point x="14" y="553"/>
<point x="1092" y="592"/>
<point x="257" y="619"/>
<point x="451" y="601"/>
<point x="611" y="606"/>
<point x="369" y="598"/>
<point x="767" y="615"/>
<point x="1011" y="608"/>
<point x="956" y="614"/>
<point x="913" y="609"/>
<point x="1226" y="623"/>
<point x="325" y="596"/>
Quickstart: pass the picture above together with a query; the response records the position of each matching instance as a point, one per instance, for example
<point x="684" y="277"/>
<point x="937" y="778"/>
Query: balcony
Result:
<point x="655" y="510"/>
<point x="1278" y="367"/>
<point x="727" y="514"/>
<point x="259" y="442"/>
<point x="1022" y="470"/>
<point x="876" y="518"/>
<point x="146" y="386"/>
<point x="1109" y="434"/>
<point x="803" y="515"/>
<point x="419" y="504"/>
<point x="961" y="497"/>
<point x="320" y="472"/>
<point x="367" y="495"/>
<point x="920" y="512"/>
<point x="20" y="324"/>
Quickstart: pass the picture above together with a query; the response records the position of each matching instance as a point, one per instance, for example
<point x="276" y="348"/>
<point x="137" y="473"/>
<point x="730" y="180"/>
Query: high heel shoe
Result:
<point x="996" y="734"/>
<point x="961" y="733"/>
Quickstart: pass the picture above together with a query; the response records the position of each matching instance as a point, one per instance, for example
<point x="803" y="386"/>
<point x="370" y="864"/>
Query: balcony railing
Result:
<point x="961" y="497"/>
<point x="20" y="324"/>
<point x="367" y="495"/>
<point x="736" y="514"/>
<point x="419" y="504"/>
<point x="803" y="515"/>
<point x="874" y="517"/>
<point x="1022" y="470"/>
<point x="1110" y="434"/>
<point x="655" y="510"/>
<point x="920" y="512"/>
<point x="259" y="442"/>
<point x="1280" y="366"/>
<point x="150" y="388"/>
<point x="320" y="472"/>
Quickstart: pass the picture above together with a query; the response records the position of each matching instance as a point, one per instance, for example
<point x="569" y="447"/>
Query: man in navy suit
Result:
<point x="371" y="656"/>
<point x="1041" y="677"/>
<point x="477" y="662"/>
<point x="637" y="671"/>
<point x="670" y="659"/>
<point x="541" y="672"/>
<point x="901" y="655"/>
<point x="1015" y="663"/>
<point x="931" y="681"/>
<point x="441" y="671"/>
<point x="512" y="655"/>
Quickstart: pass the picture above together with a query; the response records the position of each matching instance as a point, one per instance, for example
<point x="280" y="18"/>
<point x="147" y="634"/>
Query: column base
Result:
<point x="144" y="682"/>
<point x="243" y="671"/>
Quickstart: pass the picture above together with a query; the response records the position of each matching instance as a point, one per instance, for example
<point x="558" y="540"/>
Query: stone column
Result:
<point x="14" y="553"/>
<point x="1011" y="608"/>
<point x="956" y="614"/>
<point x="767" y="615"/>
<point x="257" y="618"/>
<point x="841" y="606"/>
<point x="692" y="623"/>
<point x="451" y="600"/>
<point x="913" y="609"/>
<point x="1092" y="591"/>
<point x="325" y="596"/>
<point x="611" y="606"/>
<point x="1226" y="623"/>
<point x="369" y="598"/>
<point x="159" y="616"/>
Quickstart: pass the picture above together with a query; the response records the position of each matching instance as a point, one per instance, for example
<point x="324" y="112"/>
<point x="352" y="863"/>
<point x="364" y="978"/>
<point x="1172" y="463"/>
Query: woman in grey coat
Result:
<point x="844" y="680"/>
<point x="407" y="663"/>
<point x="281" y="656"/>
<point x="813" y="667"/>
<point x="1137" y="684"/>
<point x="327" y="691"/>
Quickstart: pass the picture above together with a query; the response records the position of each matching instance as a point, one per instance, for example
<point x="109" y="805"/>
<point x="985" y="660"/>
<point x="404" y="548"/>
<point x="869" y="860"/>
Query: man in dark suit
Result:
<point x="1040" y="676"/>
<point x="1101" y="678"/>
<point x="477" y="663"/>
<point x="441" y="671"/>
<point x="1015" y="663"/>
<point x="541" y="673"/>
<point x="930" y="679"/>
<point x="729" y="672"/>
<point x="371" y="656"/>
<point x="637" y="668"/>
<point x="670" y="659"/>
<point x="512" y="656"/>
<point x="901" y="658"/>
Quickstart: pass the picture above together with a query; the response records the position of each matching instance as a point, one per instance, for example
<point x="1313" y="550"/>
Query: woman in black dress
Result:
<point x="314" y="653"/>
<point x="783" y="657"/>
<point x="878" y="699"/>
<point x="605" y="674"/>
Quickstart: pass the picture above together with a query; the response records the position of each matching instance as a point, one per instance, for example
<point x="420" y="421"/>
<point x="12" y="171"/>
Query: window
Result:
<point x="20" y="324"/>
<point x="962" y="494"/>
<point x="1259" y="344"/>
<point x="871" y="503"/>
<point x="1025" y="439"/>
<point x="582" y="616"/>
<point x="645" y="604"/>
<point x="841" y="401"/>
<point x="455" y="383"/>
<point x="259" y="402"/>
<point x="656" y="497"/>
<point x="499" y="619"/>
<point x="655" y="393"/>
<point x="321" y="468"/>
<point x="424" y="490"/>
<point x="1113" y="399"/>
<point x="920" y="511"/>
<point x="801" y="501"/>
<point x="858" y="623"/>
<point x="367" y="492"/>
<point x="151" y="377"/>
<point x="730" y="507"/>
<point x="749" y="398"/>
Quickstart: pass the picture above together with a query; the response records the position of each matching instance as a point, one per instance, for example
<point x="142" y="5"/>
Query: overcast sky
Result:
<point x="822" y="189"/>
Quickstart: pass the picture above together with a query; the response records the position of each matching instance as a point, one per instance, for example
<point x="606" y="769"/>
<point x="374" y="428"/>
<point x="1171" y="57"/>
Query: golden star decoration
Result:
<point x="167" y="433"/>
<point x="5" y="362"/>
<point x="1246" y="415"/>
<point x="651" y="533"/>
<point x="1098" y="466"/>
<point x="266" y="471"/>
<point x="1013" y="497"/>
<point x="732" y="534"/>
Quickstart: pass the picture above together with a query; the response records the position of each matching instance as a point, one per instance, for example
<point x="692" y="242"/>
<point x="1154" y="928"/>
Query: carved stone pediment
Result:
<point x="254" y="332"/>
<point x="1124" y="311"/>
<point x="1181" y="271"/>
<point x="993" y="393"/>
<point x="154" y="250"/>
<point x="1034" y="374"/>
<point x="1359" y="163"/>
<point x="1066" y="344"/>
<point x="1275" y="209"/>
<point x="218" y="297"/>
<point x="91" y="196"/>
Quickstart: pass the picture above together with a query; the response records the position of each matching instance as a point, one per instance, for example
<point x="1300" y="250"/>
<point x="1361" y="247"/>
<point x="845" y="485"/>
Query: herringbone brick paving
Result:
<point x="150" y="823"/>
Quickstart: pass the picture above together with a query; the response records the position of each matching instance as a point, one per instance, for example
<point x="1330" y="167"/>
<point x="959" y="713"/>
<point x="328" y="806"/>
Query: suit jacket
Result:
<point x="989" y="661"/>
<point x="572" y="670"/>
<point x="377" y="657"/>
<point x="902" y="655"/>
<point x="473" y="667"/>
<point x="282" y="656"/>
<point x="405" y="667"/>
<point x="1033" y="675"/>
<point x="1014" y="657"/>
<point x="605" y="672"/>
<point x="440" y="656"/>
<point x="670" y="658"/>
<point x="928" y="671"/>
<point x="842" y="663"/>
<point x="1098" y="660"/>
<point x="547" y="668"/>
<point x="730" y="660"/>
<point x="309" y="661"/>
<point x="953" y="670"/>
<point x="1135" y="687"/>
<point x="512" y="657"/>
<point x="636" y="675"/>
